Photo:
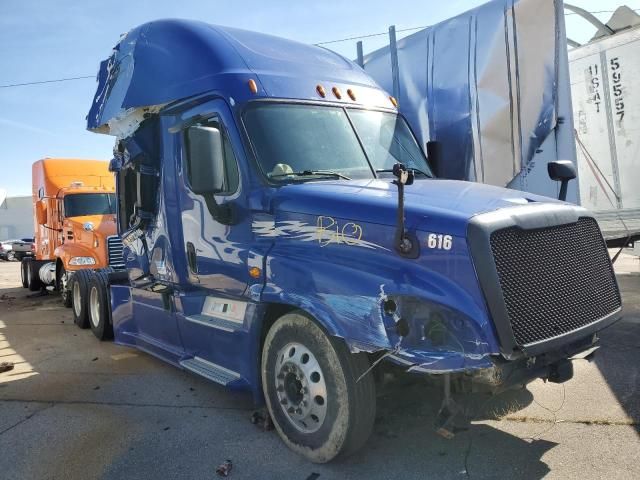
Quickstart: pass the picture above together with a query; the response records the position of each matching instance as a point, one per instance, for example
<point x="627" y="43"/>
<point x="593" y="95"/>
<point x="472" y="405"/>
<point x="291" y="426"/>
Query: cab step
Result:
<point x="209" y="370"/>
<point x="215" y="322"/>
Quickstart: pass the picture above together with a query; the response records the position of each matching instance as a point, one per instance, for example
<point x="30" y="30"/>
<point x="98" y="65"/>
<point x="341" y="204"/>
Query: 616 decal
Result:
<point x="439" y="241"/>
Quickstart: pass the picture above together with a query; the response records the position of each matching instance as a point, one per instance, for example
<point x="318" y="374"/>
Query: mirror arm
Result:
<point x="51" y="228"/>
<point x="563" y="189"/>
<point x="406" y="243"/>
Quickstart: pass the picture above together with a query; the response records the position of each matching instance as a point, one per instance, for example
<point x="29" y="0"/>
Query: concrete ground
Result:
<point x="76" y="408"/>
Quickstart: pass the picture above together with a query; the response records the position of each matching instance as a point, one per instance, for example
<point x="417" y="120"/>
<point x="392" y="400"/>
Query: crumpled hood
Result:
<point x="375" y="201"/>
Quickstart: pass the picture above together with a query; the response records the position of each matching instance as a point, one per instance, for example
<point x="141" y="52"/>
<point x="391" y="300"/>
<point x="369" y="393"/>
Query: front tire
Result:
<point x="64" y="287"/>
<point x="310" y="385"/>
<point x="79" y="287"/>
<point x="100" y="306"/>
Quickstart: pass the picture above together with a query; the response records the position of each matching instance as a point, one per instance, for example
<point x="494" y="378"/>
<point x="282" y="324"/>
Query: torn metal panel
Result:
<point x="484" y="84"/>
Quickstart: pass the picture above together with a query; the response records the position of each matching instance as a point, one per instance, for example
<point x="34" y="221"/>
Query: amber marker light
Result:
<point x="320" y="90"/>
<point x="393" y="101"/>
<point x="252" y="86"/>
<point x="255" y="272"/>
<point x="352" y="95"/>
<point x="336" y="92"/>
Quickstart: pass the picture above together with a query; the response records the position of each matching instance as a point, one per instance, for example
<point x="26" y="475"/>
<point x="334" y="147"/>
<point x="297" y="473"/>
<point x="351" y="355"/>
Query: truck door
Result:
<point x="215" y="228"/>
<point x="216" y="235"/>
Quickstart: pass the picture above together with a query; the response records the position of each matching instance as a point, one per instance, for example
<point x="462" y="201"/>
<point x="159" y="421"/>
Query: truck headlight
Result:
<point x="82" y="261"/>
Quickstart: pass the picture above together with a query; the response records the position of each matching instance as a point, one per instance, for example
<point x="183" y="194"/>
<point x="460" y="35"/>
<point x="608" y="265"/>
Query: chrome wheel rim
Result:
<point x="63" y="285"/>
<point x="94" y="307"/>
<point x="77" y="306"/>
<point x="301" y="388"/>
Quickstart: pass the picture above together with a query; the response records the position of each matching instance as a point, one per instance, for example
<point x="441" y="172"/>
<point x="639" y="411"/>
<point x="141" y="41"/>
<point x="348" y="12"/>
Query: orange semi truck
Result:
<point x="75" y="229"/>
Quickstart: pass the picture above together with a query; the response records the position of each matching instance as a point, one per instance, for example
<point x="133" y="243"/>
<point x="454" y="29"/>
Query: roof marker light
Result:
<point x="336" y="92"/>
<point x="320" y="90"/>
<point x="352" y="95"/>
<point x="252" y="86"/>
<point x="393" y="101"/>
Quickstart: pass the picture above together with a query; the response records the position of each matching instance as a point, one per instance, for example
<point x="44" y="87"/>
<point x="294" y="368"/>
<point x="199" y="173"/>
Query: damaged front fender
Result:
<point x="435" y="339"/>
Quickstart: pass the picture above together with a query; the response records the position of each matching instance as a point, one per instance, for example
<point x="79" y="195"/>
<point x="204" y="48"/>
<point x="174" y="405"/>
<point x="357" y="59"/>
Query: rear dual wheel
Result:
<point x="24" y="276"/>
<point x="33" y="276"/>
<point x="78" y="288"/>
<point x="311" y="387"/>
<point x="100" y="306"/>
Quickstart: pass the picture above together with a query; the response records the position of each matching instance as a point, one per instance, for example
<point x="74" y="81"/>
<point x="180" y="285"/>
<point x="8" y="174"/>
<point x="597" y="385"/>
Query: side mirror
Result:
<point x="434" y="157"/>
<point x="205" y="160"/>
<point x="562" y="171"/>
<point x="41" y="212"/>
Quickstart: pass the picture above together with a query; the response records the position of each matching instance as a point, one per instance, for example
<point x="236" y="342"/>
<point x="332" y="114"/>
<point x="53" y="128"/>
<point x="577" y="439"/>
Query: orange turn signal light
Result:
<point x="255" y="272"/>
<point x="252" y="86"/>
<point x="393" y="101"/>
<point x="320" y="90"/>
<point x="352" y="95"/>
<point x="336" y="92"/>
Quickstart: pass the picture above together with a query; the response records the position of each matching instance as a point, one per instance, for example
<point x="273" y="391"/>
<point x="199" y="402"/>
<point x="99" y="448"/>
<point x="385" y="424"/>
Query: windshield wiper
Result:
<point x="306" y="173"/>
<point x="389" y="170"/>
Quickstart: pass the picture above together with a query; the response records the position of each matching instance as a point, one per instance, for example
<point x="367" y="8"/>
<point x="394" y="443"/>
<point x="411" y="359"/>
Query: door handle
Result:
<point x="191" y="258"/>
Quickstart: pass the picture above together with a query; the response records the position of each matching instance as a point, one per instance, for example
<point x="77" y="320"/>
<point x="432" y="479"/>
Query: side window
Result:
<point x="127" y="188"/>
<point x="231" y="176"/>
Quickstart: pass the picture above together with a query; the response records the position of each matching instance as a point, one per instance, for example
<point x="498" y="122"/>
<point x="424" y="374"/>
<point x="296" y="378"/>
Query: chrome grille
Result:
<point x="115" y="251"/>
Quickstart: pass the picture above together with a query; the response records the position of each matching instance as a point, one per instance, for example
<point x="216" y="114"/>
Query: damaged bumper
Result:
<point x="493" y="373"/>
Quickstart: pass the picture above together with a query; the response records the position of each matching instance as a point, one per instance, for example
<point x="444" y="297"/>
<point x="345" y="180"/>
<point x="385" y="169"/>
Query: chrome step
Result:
<point x="209" y="370"/>
<point x="215" y="322"/>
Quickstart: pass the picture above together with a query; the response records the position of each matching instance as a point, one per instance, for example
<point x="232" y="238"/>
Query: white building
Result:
<point x="16" y="216"/>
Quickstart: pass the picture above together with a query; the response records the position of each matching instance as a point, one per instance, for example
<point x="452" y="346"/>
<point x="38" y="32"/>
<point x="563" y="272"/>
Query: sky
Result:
<point x="43" y="40"/>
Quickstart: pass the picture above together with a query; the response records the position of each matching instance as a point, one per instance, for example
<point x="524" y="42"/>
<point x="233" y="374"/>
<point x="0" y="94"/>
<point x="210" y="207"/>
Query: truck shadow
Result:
<point x="619" y="358"/>
<point x="404" y="434"/>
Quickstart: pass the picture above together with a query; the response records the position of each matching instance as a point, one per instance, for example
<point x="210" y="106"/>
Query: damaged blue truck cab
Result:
<point x="284" y="234"/>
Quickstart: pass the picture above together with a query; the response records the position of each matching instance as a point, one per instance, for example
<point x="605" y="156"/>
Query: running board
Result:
<point x="209" y="370"/>
<point x="214" y="322"/>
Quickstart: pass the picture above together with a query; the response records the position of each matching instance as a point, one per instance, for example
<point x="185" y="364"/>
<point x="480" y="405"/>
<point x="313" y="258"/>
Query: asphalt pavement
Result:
<point x="77" y="408"/>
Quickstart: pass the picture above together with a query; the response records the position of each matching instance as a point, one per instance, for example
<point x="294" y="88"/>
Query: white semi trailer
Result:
<point x="605" y="90"/>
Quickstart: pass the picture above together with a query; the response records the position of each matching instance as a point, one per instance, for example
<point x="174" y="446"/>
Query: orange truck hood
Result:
<point x="103" y="226"/>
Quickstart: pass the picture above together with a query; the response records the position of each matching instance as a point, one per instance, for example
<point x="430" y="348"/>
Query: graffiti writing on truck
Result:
<point x="616" y="81"/>
<point x="329" y="231"/>
<point x="594" y="86"/>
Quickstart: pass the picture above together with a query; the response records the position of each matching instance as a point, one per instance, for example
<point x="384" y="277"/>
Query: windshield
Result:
<point x="79" y="204"/>
<point x="322" y="141"/>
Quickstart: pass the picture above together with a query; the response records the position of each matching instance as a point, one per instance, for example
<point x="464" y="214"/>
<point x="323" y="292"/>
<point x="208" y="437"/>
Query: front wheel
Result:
<point x="64" y="287"/>
<point x="318" y="407"/>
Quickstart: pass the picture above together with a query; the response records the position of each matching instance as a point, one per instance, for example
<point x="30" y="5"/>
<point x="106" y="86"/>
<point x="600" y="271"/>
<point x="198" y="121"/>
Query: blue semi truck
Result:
<point x="284" y="233"/>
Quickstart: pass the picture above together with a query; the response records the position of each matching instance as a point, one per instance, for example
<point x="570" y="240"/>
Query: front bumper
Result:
<point x="493" y="373"/>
